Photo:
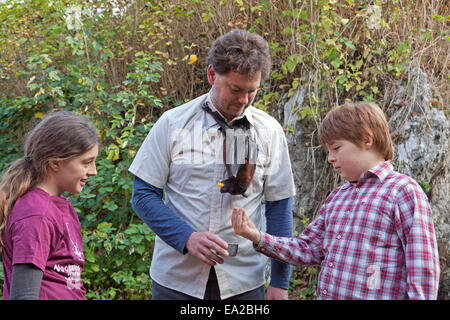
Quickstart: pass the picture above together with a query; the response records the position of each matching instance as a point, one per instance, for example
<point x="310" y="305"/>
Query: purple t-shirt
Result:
<point x="44" y="230"/>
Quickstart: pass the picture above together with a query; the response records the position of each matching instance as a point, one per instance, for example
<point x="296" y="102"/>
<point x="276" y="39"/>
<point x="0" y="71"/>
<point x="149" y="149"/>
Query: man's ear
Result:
<point x="211" y="75"/>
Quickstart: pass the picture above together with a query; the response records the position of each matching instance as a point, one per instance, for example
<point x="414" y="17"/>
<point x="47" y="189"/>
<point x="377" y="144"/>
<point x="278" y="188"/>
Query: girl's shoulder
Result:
<point x="35" y="202"/>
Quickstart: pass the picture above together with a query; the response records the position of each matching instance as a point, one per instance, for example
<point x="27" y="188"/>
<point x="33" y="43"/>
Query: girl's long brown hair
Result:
<point x="60" y="135"/>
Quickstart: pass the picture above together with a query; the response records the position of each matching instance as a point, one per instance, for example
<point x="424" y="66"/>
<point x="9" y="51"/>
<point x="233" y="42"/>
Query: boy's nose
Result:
<point x="331" y="158"/>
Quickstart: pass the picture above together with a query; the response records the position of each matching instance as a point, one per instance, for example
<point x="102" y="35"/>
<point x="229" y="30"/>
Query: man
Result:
<point x="187" y="153"/>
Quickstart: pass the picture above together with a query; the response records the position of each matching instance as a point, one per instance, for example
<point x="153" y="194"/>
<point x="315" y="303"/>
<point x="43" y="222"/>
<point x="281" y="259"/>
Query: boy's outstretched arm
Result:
<point x="307" y="249"/>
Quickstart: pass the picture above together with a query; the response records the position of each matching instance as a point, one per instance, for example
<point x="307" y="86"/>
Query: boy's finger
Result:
<point x="234" y="218"/>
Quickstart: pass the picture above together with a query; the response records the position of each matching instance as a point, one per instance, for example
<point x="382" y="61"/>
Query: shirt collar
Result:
<point x="381" y="171"/>
<point x="247" y="113"/>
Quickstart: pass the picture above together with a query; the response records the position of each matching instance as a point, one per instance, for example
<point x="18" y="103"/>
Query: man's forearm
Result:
<point x="147" y="203"/>
<point x="279" y="223"/>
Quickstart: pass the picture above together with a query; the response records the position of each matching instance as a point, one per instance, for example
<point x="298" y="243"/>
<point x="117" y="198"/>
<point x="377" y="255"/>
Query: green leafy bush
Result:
<point x="123" y="63"/>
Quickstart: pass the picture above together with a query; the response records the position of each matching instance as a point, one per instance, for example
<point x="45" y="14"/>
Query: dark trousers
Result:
<point x="212" y="292"/>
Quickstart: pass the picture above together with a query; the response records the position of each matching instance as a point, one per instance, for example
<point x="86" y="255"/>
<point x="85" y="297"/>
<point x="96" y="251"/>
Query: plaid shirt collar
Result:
<point x="380" y="171"/>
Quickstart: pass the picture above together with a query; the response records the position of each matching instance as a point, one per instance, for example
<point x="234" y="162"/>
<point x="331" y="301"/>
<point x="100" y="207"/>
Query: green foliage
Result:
<point x="117" y="262"/>
<point x="425" y="186"/>
<point x="123" y="63"/>
<point x="71" y="74"/>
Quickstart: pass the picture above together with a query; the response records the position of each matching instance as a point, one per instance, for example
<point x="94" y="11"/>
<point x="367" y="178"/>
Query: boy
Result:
<point x="374" y="236"/>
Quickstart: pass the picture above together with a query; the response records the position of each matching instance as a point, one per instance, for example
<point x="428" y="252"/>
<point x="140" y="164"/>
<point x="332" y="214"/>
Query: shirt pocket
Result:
<point x="257" y="184"/>
<point x="383" y="237"/>
<point x="378" y="220"/>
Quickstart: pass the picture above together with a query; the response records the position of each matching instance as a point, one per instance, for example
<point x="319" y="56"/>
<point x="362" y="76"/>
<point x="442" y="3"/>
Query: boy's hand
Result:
<point x="243" y="226"/>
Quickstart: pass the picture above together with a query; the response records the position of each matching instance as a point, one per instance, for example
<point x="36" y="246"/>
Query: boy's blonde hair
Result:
<point x="355" y="122"/>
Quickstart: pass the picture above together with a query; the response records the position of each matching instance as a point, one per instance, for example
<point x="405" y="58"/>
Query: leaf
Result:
<point x="359" y="64"/>
<point x="192" y="59"/>
<point x="39" y="115"/>
<point x="336" y="63"/>
<point x="53" y="75"/>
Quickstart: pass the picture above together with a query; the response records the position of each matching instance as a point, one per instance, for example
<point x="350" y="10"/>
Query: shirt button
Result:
<point x="325" y="292"/>
<point x="330" y="264"/>
<point x="357" y="189"/>
<point x="339" y="237"/>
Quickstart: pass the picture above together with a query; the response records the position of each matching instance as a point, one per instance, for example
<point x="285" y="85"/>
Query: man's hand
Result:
<point x="200" y="245"/>
<point x="243" y="226"/>
<point x="274" y="293"/>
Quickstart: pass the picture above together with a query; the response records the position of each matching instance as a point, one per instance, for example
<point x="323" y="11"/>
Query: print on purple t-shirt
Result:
<point x="44" y="230"/>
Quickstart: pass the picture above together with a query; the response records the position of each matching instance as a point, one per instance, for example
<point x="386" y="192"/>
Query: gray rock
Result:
<point x="421" y="136"/>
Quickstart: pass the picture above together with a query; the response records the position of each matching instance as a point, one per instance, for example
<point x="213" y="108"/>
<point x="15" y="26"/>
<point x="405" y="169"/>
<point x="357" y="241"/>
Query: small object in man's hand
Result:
<point x="232" y="249"/>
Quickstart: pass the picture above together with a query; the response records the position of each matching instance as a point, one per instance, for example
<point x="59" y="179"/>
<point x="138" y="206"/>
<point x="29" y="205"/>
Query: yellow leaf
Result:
<point x="192" y="59"/>
<point x="39" y="115"/>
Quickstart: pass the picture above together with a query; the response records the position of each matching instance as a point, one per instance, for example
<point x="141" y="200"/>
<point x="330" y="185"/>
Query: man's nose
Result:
<point x="243" y="98"/>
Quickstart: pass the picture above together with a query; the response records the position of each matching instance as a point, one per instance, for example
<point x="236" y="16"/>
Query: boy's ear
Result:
<point x="368" y="142"/>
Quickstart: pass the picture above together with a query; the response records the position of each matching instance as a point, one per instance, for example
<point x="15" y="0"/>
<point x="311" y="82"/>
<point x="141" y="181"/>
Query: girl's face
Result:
<point x="72" y="174"/>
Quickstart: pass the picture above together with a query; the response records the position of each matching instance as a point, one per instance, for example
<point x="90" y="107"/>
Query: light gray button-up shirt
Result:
<point x="184" y="153"/>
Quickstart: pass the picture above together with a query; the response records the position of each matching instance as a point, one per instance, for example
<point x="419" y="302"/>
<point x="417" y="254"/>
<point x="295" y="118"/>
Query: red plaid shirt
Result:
<point x="374" y="240"/>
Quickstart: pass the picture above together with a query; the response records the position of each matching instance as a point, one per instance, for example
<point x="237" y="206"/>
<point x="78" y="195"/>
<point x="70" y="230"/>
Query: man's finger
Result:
<point x="217" y="240"/>
<point x="211" y="245"/>
<point x="210" y="257"/>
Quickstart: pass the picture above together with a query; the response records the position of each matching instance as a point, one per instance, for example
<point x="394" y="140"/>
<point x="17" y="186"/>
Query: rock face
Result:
<point x="420" y="133"/>
<point x="307" y="164"/>
<point x="422" y="145"/>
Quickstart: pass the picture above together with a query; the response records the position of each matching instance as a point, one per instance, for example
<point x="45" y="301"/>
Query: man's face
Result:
<point x="233" y="92"/>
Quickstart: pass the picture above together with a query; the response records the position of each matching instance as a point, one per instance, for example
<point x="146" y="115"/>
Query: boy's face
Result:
<point x="350" y="160"/>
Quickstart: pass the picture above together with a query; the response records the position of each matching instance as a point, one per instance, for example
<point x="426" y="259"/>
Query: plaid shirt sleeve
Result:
<point x="414" y="225"/>
<point x="306" y="249"/>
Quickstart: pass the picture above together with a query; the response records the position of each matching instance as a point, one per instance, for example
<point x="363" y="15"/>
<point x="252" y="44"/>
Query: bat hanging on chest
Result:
<point x="239" y="155"/>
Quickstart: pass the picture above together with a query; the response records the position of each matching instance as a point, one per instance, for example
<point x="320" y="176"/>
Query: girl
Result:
<point x="40" y="232"/>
